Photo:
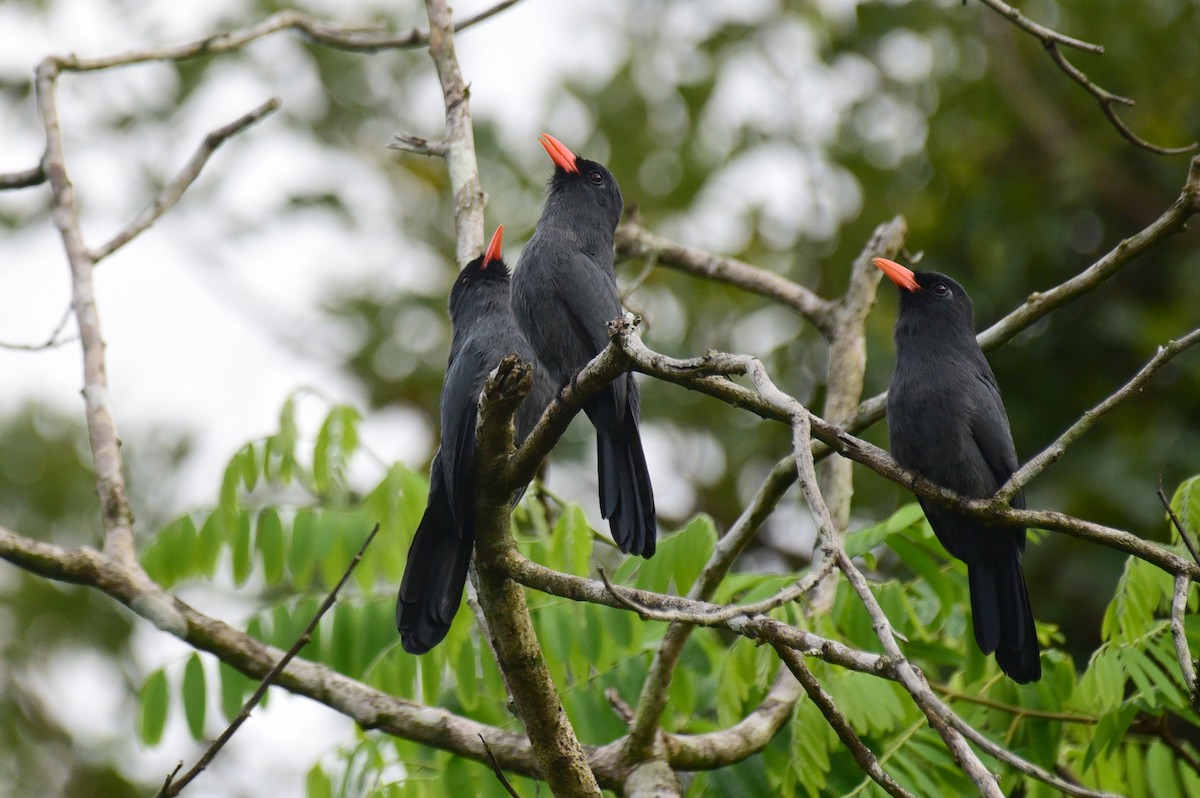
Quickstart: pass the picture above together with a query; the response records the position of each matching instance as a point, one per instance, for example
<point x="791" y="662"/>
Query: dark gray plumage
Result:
<point x="946" y="421"/>
<point x="484" y="331"/>
<point x="564" y="294"/>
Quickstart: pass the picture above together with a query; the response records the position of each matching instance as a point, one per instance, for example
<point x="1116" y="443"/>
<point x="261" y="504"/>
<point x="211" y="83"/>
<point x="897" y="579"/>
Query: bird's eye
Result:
<point x="595" y="177"/>
<point x="940" y="289"/>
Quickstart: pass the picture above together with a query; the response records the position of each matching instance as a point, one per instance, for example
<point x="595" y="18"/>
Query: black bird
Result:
<point x="484" y="331"/>
<point x="564" y="294"/>
<point x="947" y="422"/>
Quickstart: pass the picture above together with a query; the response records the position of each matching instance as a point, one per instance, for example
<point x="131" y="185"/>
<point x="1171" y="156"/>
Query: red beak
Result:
<point x="563" y="158"/>
<point x="897" y="274"/>
<point x="495" y="250"/>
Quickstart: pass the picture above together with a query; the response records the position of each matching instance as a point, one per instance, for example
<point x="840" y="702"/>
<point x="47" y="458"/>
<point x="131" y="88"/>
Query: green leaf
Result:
<point x="152" y="704"/>
<point x="194" y="696"/>
<point x="864" y="540"/>
<point x="336" y="441"/>
<point x="302" y="555"/>
<point x="268" y="539"/>
<point x="317" y="784"/>
<point x="243" y="561"/>
<point x="234" y="689"/>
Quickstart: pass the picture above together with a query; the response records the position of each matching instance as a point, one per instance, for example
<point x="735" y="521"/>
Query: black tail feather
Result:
<point x="434" y="576"/>
<point x="626" y="495"/>
<point x="1003" y="616"/>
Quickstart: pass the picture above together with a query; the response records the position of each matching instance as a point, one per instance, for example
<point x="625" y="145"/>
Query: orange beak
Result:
<point x="495" y="250"/>
<point x="905" y="278"/>
<point x="563" y="158"/>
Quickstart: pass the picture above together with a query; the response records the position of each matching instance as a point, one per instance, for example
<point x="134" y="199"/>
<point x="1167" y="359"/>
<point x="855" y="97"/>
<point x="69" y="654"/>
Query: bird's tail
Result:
<point x="626" y="496"/>
<point x="434" y="577"/>
<point x="1003" y="616"/>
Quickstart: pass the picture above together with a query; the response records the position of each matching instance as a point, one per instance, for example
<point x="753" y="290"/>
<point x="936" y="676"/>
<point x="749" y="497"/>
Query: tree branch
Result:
<point x="33" y="176"/>
<point x="171" y="787"/>
<point x="561" y="760"/>
<point x="847" y="363"/>
<point x="1183" y="533"/>
<point x="460" y="135"/>
<point x="1051" y="40"/>
<point x="845" y="732"/>
<point x="171" y="194"/>
<point x="1187" y="665"/>
<point x="635" y="241"/>
<point x="102" y="430"/>
<point x="1054" y="452"/>
<point x="317" y="31"/>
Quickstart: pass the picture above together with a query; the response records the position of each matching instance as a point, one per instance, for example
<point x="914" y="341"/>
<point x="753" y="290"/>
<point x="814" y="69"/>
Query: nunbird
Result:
<point x="484" y="331"/>
<point x="947" y="422"/>
<point x="564" y="294"/>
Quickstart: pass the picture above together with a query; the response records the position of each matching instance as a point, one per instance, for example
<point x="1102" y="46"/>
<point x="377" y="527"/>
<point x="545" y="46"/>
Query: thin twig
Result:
<point x="171" y="194"/>
<point x="317" y="31"/>
<point x="1051" y="40"/>
<point x="409" y="142"/>
<point x="635" y="241"/>
<point x="1183" y="533"/>
<point x="170" y="786"/>
<point x="840" y="724"/>
<point x="53" y="342"/>
<point x="33" y="176"/>
<point x="504" y="782"/>
<point x="997" y="751"/>
<point x="1054" y="452"/>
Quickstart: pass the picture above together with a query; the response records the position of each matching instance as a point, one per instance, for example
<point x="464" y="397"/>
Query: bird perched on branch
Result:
<point x="484" y="331"/>
<point x="564" y="294"/>
<point x="947" y="422"/>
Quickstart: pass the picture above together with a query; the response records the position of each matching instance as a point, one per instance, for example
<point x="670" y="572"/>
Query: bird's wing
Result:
<point x="590" y="298"/>
<point x="460" y="402"/>
<point x="989" y="427"/>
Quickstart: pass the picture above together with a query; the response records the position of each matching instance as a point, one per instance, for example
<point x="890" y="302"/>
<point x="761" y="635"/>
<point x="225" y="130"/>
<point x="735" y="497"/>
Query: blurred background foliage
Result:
<point x="777" y="132"/>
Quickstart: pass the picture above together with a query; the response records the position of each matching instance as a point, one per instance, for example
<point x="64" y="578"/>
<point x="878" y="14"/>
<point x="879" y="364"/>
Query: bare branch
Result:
<point x="33" y="176"/>
<point x="171" y="194"/>
<point x="170" y="786"/>
<point x="1018" y="763"/>
<point x="53" y="342"/>
<point x="760" y="628"/>
<point x="1051" y="40"/>
<point x="752" y="733"/>
<point x="460" y="135"/>
<point x="847" y="363"/>
<point x="1187" y="665"/>
<point x="409" y="142"/>
<point x="1055" y="451"/>
<point x="845" y="732"/>
<point x="504" y="782"/>
<point x="317" y="31"/>
<point x="102" y="430"/>
<point x="369" y="708"/>
<point x="635" y="241"/>
<point x="1183" y="533"/>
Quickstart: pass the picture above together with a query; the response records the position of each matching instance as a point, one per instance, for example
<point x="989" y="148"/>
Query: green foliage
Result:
<point x="1100" y="726"/>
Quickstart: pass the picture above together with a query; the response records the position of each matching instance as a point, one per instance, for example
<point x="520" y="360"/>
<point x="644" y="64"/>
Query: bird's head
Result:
<point x="488" y="268"/>
<point x="929" y="299"/>
<point x="586" y="189"/>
